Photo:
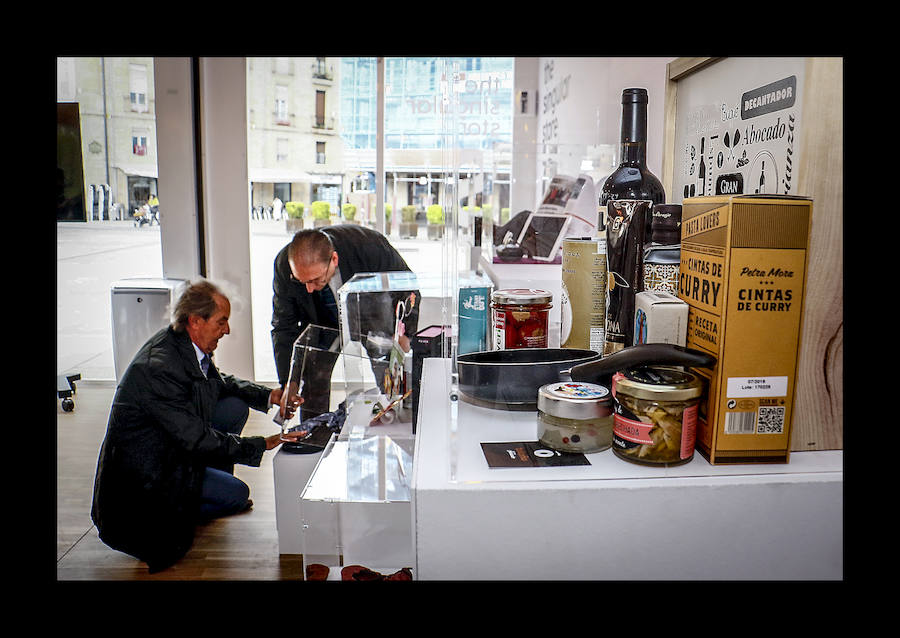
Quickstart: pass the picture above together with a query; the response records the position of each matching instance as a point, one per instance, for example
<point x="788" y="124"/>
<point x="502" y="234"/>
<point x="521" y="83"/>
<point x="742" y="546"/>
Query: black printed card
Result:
<point x="529" y="454"/>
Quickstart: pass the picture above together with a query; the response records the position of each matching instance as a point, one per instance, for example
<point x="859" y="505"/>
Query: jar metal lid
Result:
<point x="521" y="296"/>
<point x="574" y="400"/>
<point x="659" y="383"/>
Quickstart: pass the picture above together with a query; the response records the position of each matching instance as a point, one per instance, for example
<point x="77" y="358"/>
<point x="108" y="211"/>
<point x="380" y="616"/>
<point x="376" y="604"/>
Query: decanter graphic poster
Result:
<point x="737" y="128"/>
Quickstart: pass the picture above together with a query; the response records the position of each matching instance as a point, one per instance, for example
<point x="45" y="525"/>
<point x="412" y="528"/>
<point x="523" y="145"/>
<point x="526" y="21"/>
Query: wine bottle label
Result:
<point x="624" y="250"/>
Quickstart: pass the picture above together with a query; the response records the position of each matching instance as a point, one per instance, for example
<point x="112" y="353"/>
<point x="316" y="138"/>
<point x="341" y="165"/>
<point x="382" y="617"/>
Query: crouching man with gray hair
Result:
<point x="173" y="436"/>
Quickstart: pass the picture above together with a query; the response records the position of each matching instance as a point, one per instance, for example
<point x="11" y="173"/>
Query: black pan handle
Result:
<point x="642" y="354"/>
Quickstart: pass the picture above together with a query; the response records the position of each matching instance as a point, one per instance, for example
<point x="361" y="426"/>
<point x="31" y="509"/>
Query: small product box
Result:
<point x="433" y="341"/>
<point x="659" y="317"/>
<point x="743" y="276"/>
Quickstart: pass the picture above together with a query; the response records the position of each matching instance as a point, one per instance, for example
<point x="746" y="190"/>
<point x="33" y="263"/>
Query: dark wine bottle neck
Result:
<point x="634" y="134"/>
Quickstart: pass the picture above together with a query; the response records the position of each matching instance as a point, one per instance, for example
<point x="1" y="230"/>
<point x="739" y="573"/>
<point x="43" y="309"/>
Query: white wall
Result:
<point x="524" y="147"/>
<point x="225" y="188"/>
<point x="177" y="181"/>
<point x="579" y="114"/>
<point x="226" y="201"/>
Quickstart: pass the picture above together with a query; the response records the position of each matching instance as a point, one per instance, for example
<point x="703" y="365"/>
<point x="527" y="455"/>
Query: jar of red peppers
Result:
<point x="521" y="318"/>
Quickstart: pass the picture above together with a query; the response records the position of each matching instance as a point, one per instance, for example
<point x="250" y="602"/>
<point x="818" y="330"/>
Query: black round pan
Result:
<point x="510" y="379"/>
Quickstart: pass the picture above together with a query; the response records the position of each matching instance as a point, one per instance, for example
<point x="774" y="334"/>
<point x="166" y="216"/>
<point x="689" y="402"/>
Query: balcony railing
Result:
<point x="322" y="123"/>
<point x="322" y="71"/>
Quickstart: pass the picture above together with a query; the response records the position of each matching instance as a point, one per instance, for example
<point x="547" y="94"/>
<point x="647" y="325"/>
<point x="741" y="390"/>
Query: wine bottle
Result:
<point x="632" y="179"/>
<point x="662" y="256"/>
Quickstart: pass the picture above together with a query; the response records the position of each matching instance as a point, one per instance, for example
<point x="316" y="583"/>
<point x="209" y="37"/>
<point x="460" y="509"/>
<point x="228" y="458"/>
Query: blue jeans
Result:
<point x="224" y="494"/>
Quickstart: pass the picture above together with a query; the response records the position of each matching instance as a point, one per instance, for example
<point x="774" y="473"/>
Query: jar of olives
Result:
<point x="655" y="414"/>
<point x="521" y="318"/>
<point x="575" y="417"/>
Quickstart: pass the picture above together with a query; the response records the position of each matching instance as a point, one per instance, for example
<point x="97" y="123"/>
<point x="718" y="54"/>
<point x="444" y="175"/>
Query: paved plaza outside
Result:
<point x="91" y="256"/>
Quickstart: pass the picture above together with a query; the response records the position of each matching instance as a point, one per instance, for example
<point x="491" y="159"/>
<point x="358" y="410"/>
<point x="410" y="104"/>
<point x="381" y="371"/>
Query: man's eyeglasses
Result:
<point x="316" y="281"/>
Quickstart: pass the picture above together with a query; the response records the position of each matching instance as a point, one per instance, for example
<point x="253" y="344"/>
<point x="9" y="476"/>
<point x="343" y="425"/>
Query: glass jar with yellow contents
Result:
<point x="655" y="414"/>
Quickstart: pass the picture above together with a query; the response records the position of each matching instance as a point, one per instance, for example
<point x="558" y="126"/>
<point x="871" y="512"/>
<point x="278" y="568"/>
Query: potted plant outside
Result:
<point x="435" y="216"/>
<point x="293" y="220"/>
<point x="348" y="211"/>
<point x="321" y="213"/>
<point x="409" y="229"/>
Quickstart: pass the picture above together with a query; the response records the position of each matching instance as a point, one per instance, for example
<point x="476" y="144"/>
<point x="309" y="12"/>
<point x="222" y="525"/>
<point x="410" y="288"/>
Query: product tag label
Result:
<point x="688" y="431"/>
<point x="633" y="431"/>
<point x="741" y="387"/>
<point x="499" y="330"/>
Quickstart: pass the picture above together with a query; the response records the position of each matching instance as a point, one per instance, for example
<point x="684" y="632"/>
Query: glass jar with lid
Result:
<point x="575" y="417"/>
<point x="655" y="416"/>
<point x="521" y="318"/>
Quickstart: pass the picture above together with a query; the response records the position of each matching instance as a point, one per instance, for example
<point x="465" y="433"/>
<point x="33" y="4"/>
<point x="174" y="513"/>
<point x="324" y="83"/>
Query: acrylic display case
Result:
<point x="327" y="368"/>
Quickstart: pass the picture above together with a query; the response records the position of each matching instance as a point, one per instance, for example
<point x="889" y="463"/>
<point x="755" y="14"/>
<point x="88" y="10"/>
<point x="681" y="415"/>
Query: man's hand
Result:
<point x="288" y="399"/>
<point x="275" y="440"/>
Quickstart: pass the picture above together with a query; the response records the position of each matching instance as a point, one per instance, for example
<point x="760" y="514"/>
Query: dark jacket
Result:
<point x="158" y="443"/>
<point x="359" y="250"/>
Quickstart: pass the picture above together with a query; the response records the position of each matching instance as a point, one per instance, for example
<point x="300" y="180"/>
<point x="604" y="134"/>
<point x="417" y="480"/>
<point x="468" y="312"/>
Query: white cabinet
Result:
<point x="610" y="519"/>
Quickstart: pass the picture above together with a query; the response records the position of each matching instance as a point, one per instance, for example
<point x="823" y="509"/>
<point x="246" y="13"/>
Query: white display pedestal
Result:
<point x="350" y="503"/>
<point x="291" y="473"/>
<point x="611" y="519"/>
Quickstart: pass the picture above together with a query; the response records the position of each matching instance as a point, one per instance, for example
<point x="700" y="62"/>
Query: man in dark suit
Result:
<point x="174" y="435"/>
<point x="308" y="273"/>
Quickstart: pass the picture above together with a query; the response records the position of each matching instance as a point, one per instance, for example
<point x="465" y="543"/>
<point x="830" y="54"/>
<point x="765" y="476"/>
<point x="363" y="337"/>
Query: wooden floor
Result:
<point x="240" y="547"/>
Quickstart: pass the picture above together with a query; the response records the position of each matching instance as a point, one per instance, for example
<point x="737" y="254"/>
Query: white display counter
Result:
<point x="610" y="519"/>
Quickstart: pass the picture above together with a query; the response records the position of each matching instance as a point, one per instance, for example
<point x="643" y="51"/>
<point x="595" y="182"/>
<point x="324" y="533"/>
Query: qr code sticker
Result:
<point x="771" y="420"/>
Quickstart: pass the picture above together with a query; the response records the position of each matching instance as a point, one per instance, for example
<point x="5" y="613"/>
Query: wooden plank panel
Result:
<point x="819" y="420"/>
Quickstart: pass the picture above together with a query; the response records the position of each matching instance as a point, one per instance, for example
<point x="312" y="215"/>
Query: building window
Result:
<point x="137" y="87"/>
<point x="139" y="142"/>
<point x="281" y="149"/>
<point x="320" y="109"/>
<point x="320" y="70"/>
<point x="320" y="152"/>
<point x="281" y="105"/>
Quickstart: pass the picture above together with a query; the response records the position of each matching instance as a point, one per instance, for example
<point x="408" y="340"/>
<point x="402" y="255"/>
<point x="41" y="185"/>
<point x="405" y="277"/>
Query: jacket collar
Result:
<point x="188" y="355"/>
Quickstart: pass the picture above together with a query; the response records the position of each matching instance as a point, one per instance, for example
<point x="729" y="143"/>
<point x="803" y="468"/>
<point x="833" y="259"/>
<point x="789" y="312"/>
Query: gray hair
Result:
<point x="197" y="298"/>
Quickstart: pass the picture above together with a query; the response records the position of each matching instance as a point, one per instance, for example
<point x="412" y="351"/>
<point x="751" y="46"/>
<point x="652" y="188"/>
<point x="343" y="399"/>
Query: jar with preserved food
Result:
<point x="575" y="417"/>
<point x="655" y="416"/>
<point x="521" y="318"/>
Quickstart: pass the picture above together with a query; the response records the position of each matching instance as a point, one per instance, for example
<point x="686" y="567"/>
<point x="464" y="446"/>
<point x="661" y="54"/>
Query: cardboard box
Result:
<point x="659" y="317"/>
<point x="743" y="276"/>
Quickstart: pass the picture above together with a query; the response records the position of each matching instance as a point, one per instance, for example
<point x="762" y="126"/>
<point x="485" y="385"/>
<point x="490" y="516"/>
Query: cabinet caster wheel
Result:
<point x="68" y="405"/>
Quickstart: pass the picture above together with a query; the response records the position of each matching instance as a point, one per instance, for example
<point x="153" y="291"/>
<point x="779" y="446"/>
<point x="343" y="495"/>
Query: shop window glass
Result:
<point x="342" y="110"/>
<point x="106" y="168"/>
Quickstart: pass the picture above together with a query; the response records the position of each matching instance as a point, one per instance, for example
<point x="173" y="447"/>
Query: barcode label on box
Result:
<point x="771" y="420"/>
<point x="768" y="420"/>
<point x="740" y="422"/>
